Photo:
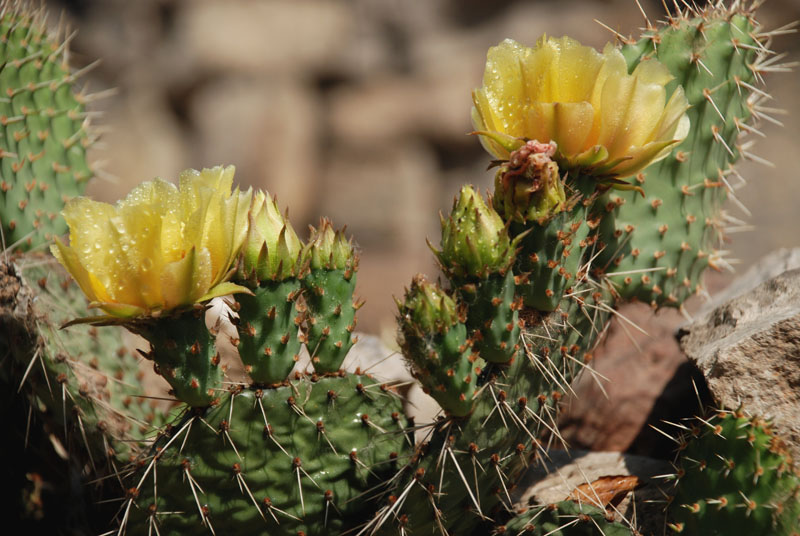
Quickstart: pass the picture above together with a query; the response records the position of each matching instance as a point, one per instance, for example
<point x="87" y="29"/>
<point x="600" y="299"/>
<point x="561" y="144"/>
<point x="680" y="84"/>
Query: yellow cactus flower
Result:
<point x="161" y="247"/>
<point x="603" y="120"/>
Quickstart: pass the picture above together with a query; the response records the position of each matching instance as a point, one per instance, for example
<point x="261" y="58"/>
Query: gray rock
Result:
<point x="554" y="481"/>
<point x="748" y="348"/>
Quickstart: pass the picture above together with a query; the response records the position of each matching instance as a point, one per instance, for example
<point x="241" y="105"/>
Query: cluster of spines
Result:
<point x="734" y="476"/>
<point x="45" y="129"/>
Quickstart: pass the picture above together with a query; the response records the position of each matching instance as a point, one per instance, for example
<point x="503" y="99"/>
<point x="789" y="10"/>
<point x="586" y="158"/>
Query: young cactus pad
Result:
<point x="329" y="285"/>
<point x="44" y="132"/>
<point x="477" y="254"/>
<point x="271" y="262"/>
<point x="434" y="339"/>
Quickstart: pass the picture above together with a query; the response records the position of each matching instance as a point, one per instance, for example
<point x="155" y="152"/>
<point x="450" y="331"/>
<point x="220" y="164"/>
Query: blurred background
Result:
<point x="355" y="109"/>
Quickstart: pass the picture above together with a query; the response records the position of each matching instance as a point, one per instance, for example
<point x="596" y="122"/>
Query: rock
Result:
<point x="610" y="403"/>
<point x="555" y="479"/>
<point x="395" y="107"/>
<point x="748" y="348"/>
<point x="270" y="129"/>
<point x="386" y="195"/>
<point x="270" y="36"/>
<point x="150" y="145"/>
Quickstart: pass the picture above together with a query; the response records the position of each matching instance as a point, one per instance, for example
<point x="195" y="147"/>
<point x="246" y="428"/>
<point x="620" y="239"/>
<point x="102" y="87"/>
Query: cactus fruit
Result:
<point x="734" y="476"/>
<point x="45" y="130"/>
<point x="661" y="243"/>
<point x="329" y="286"/>
<point x="477" y="254"/>
<point x="269" y="343"/>
<point x="309" y="457"/>
<point x="434" y="339"/>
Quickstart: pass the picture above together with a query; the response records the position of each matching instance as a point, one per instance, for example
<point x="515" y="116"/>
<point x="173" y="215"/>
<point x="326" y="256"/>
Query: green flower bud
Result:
<point x="329" y="249"/>
<point x="272" y="250"/>
<point x="528" y="186"/>
<point x="475" y="241"/>
<point x="427" y="309"/>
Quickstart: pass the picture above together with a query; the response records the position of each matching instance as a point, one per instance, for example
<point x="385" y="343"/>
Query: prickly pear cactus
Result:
<point x="568" y="233"/>
<point x="477" y="254"/>
<point x="45" y="129"/>
<point x="269" y="342"/>
<point x="79" y="396"/>
<point x="734" y="477"/>
<point x="660" y="243"/>
<point x="434" y="339"/>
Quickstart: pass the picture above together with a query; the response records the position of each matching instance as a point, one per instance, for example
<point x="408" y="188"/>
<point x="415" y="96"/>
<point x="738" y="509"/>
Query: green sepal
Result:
<point x="330" y="249"/>
<point x="272" y="250"/>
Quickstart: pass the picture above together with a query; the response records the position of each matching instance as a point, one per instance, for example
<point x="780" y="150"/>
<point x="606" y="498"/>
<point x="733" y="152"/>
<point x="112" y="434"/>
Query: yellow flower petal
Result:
<point x="582" y="100"/>
<point x="161" y="247"/>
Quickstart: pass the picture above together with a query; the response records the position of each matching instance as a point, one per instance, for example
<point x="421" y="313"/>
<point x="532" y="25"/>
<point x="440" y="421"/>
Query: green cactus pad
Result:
<point x="660" y="244"/>
<point x="44" y="130"/>
<point x="306" y="458"/>
<point x="735" y="477"/>
<point x="434" y="339"/>
<point x="329" y="287"/>
<point x="493" y="317"/>
<point x="269" y="343"/>
<point x="566" y="518"/>
<point x="514" y="406"/>
<point x="552" y="251"/>
<point x="184" y="354"/>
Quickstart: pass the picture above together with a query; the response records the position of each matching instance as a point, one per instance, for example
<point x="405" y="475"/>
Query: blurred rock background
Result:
<point x="358" y="110"/>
